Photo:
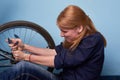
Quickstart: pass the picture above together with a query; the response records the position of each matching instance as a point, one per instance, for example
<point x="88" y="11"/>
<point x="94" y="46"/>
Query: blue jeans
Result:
<point x="27" y="71"/>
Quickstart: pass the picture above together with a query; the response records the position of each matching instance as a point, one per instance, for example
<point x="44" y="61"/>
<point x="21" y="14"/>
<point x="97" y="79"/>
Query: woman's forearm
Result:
<point x="40" y="51"/>
<point x="43" y="60"/>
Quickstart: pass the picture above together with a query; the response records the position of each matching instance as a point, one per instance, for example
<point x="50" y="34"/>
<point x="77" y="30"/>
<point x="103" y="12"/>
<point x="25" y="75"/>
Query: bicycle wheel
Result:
<point x="29" y="32"/>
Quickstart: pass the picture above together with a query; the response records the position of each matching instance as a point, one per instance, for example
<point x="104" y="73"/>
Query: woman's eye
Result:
<point x="64" y="31"/>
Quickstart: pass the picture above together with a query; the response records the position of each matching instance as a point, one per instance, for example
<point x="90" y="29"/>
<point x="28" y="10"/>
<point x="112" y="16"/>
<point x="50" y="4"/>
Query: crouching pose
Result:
<point x="80" y="55"/>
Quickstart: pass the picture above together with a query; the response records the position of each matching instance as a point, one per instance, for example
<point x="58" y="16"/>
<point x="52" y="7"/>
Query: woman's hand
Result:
<point x="20" y="55"/>
<point x="16" y="44"/>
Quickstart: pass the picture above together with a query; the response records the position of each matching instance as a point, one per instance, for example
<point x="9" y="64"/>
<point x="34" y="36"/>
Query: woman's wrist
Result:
<point x="26" y="57"/>
<point x="23" y="47"/>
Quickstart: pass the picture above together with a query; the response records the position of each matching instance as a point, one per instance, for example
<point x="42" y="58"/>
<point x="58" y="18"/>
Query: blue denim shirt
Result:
<point x="85" y="62"/>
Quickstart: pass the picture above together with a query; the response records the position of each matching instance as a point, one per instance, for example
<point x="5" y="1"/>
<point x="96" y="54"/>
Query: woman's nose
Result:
<point x="61" y="34"/>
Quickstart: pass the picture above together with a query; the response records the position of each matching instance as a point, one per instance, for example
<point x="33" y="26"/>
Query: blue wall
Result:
<point x="104" y="13"/>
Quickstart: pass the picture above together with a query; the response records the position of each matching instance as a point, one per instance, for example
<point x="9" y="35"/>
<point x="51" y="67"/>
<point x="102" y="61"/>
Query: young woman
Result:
<point x="80" y="55"/>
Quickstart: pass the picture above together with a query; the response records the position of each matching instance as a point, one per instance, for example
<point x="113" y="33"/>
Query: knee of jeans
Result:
<point x="20" y="65"/>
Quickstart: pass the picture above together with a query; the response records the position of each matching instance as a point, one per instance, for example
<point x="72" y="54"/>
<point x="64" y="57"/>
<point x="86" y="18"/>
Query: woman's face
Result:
<point x="70" y="34"/>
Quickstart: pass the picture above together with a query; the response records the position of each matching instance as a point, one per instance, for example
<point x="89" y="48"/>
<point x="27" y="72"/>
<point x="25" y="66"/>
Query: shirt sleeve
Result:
<point x="59" y="58"/>
<point x="89" y="47"/>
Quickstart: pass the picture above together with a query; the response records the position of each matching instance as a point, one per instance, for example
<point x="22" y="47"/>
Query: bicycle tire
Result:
<point x="44" y="33"/>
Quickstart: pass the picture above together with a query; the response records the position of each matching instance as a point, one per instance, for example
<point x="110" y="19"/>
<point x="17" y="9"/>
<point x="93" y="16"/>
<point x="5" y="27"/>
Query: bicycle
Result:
<point x="30" y="33"/>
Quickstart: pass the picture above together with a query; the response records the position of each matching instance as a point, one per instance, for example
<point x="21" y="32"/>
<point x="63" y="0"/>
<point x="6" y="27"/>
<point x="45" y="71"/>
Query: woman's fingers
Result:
<point x="13" y="47"/>
<point x="15" y="44"/>
<point x="18" y="55"/>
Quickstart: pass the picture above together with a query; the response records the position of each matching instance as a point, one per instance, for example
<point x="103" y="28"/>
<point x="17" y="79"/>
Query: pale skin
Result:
<point x="43" y="56"/>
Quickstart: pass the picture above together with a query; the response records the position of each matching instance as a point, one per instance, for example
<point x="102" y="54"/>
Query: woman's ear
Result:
<point x="80" y="28"/>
